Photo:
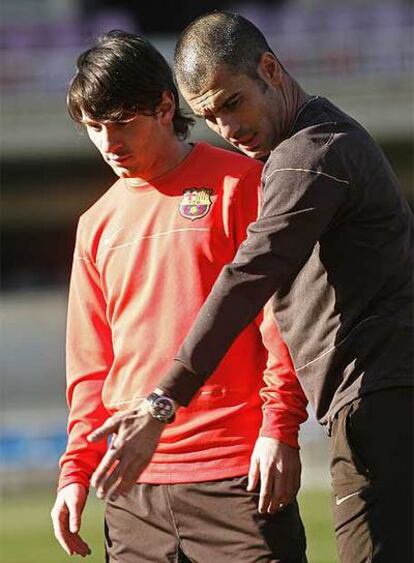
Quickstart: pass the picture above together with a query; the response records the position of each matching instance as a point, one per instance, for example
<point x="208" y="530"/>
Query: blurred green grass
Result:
<point x="26" y="533"/>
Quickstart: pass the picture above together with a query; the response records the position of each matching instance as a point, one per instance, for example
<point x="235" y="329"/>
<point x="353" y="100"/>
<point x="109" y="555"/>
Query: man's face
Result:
<point x="247" y="113"/>
<point x="131" y="147"/>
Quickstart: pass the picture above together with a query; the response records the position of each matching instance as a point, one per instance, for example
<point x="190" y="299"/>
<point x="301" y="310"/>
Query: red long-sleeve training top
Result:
<point x="145" y="260"/>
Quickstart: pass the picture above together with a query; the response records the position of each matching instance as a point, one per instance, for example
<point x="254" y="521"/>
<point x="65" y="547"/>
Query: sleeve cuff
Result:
<point x="181" y="383"/>
<point x="277" y="425"/>
<point x="74" y="477"/>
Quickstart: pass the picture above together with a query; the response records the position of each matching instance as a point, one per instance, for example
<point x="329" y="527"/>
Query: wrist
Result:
<point x="161" y="406"/>
<point x="161" y="391"/>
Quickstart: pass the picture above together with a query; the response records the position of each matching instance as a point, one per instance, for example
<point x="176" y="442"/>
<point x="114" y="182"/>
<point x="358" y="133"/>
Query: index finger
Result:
<point x="100" y="474"/>
<point x="110" y="426"/>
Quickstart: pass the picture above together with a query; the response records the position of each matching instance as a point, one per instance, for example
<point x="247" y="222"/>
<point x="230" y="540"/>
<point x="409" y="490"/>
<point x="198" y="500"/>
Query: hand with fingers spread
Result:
<point x="135" y="437"/>
<point x="278" y="467"/>
<point x="66" y="517"/>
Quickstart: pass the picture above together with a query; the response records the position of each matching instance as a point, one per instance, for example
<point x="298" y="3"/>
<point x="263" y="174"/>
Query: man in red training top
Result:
<point x="147" y="255"/>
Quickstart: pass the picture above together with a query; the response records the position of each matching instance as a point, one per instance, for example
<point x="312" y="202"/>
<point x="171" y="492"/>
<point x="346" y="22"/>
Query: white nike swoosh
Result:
<point x="106" y="239"/>
<point x="339" y="501"/>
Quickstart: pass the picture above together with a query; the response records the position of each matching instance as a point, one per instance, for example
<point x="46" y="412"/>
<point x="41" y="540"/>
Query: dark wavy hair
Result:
<point x="120" y="76"/>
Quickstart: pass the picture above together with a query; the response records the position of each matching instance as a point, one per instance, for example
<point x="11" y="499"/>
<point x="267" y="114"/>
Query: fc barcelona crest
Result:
<point x="196" y="203"/>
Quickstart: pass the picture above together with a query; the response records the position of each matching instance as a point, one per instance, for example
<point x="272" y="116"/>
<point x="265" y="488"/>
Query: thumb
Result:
<point x="253" y="474"/>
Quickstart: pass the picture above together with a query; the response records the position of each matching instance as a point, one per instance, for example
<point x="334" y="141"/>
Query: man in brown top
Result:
<point x="333" y="248"/>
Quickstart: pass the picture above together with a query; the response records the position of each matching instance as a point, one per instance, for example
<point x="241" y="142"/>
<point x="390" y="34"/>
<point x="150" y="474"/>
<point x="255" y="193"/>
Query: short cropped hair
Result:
<point x="215" y="39"/>
<point x="120" y="76"/>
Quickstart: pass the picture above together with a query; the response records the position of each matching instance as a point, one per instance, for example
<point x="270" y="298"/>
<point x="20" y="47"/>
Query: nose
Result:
<point x="109" y="139"/>
<point x="228" y="127"/>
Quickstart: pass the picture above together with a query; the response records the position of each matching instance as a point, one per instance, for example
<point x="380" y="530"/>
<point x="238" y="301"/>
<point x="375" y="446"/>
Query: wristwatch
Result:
<point x="161" y="407"/>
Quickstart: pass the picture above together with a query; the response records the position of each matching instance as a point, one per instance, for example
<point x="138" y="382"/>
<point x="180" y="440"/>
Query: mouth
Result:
<point x="247" y="143"/>
<point x="118" y="159"/>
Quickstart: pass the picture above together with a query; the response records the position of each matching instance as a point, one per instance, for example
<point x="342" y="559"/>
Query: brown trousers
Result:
<point x="210" y="522"/>
<point x="372" y="478"/>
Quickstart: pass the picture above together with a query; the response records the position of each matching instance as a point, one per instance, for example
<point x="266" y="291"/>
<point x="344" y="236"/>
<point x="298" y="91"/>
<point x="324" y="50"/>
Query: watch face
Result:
<point x="162" y="408"/>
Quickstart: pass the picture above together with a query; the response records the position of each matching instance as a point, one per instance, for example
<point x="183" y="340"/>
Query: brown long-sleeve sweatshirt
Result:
<point x="333" y="248"/>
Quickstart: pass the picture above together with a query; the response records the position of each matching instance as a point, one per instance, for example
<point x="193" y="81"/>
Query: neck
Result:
<point x="294" y="97"/>
<point x="174" y="152"/>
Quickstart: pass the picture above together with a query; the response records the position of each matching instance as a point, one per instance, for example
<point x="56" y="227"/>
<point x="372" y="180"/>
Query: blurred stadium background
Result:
<point x="359" y="53"/>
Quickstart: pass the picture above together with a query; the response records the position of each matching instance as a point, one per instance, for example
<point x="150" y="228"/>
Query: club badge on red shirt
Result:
<point x="196" y="203"/>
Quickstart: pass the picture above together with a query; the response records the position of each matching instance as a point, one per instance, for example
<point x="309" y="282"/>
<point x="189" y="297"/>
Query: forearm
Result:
<point x="81" y="457"/>
<point x="284" y="406"/>
<point x="86" y="412"/>
<point x="236" y="299"/>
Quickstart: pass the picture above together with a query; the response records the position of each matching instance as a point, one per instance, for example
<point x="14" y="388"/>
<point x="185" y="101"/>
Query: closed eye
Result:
<point x="208" y="117"/>
<point x="231" y="103"/>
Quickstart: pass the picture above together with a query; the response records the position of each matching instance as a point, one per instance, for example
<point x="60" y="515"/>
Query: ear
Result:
<point x="270" y="69"/>
<point x="166" y="108"/>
